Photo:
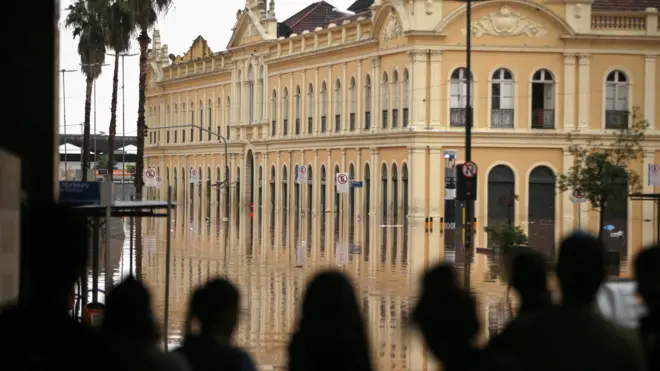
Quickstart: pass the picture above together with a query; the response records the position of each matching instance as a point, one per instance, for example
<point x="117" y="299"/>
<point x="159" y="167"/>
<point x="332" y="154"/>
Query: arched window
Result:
<point x="261" y="90"/>
<point x="168" y="119"/>
<point x="543" y="100"/>
<point x="338" y="107"/>
<point x="384" y="191"/>
<point x="209" y="119"/>
<point x="201" y="121"/>
<point x="192" y="121"/>
<point x="239" y="96"/>
<point x="183" y="122"/>
<point x="617" y="88"/>
<point x="367" y="208"/>
<point x="218" y="112"/>
<point x="175" y="185"/>
<point x="273" y="113"/>
<point x="501" y="197"/>
<point x="324" y="107"/>
<point x="285" y="112"/>
<point x="367" y="103"/>
<point x="175" y="122"/>
<point x="406" y="97"/>
<point x="541" y="210"/>
<point x="458" y="98"/>
<point x="395" y="99"/>
<point x="501" y="109"/>
<point x="228" y="118"/>
<point x="310" y="109"/>
<point x="385" y="100"/>
<point x="250" y="94"/>
<point x="351" y="118"/>
<point x="298" y="109"/>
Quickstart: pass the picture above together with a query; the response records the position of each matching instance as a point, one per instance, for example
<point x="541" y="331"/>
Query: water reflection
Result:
<point x="257" y="252"/>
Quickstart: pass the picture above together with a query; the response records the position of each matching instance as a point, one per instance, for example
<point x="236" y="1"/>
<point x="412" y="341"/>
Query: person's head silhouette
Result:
<point x="647" y="275"/>
<point x="128" y="312"/>
<point x="446" y="315"/>
<point x="331" y="307"/>
<point x="528" y="273"/>
<point x="581" y="268"/>
<point x="216" y="306"/>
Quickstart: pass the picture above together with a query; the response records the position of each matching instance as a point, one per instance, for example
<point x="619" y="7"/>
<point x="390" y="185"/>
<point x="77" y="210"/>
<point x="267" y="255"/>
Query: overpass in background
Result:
<point x="100" y="142"/>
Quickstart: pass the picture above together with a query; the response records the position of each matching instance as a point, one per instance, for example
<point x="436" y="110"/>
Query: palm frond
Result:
<point x="85" y="18"/>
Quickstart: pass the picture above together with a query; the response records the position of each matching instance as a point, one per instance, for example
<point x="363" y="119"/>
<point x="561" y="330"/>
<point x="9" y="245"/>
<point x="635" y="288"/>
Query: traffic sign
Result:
<point x="194" y="176"/>
<point x="578" y="196"/>
<point x="341" y="180"/>
<point x="654" y="175"/>
<point x="469" y="169"/>
<point x="150" y="173"/>
<point x="301" y="175"/>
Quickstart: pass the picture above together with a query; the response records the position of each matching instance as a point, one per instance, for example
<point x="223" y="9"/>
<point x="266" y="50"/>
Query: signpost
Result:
<point x="194" y="176"/>
<point x="301" y="175"/>
<point x="343" y="186"/>
<point x="150" y="177"/>
<point x="654" y="175"/>
<point x="80" y="193"/>
<point x="342" y="183"/>
<point x="578" y="197"/>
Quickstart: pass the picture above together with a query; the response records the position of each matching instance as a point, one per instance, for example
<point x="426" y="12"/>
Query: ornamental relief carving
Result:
<point x="392" y="28"/>
<point x="250" y="30"/>
<point x="506" y="22"/>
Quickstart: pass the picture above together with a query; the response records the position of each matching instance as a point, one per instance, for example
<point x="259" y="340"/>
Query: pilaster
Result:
<point x="569" y="91"/>
<point x="317" y="93"/>
<point x="650" y="86"/>
<point x="344" y="102"/>
<point x="359" y="115"/>
<point x="584" y="91"/>
<point x="278" y="116"/>
<point x="417" y="180"/>
<point x="417" y="59"/>
<point x="329" y="202"/>
<point x="330" y="99"/>
<point x="376" y="116"/>
<point x="569" y="222"/>
<point x="437" y="82"/>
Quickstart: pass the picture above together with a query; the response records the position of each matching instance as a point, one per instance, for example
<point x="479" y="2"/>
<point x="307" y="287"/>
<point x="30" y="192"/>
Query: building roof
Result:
<point x="352" y="17"/>
<point x="317" y="14"/>
<point x="624" y="5"/>
<point x="360" y="5"/>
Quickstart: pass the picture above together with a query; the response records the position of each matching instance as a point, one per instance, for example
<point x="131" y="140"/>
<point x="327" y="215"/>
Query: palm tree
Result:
<point x="146" y="14"/>
<point x="119" y="25"/>
<point x="85" y="18"/>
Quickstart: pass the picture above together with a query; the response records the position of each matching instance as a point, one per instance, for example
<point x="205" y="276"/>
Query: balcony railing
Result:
<point x="324" y="124"/>
<point x="616" y="119"/>
<point x="273" y="128"/>
<point x="384" y="123"/>
<point x="501" y="118"/>
<point x="297" y="126"/>
<point x="337" y="123"/>
<point x="405" y="117"/>
<point x="367" y="120"/>
<point x="543" y="118"/>
<point x="395" y="118"/>
<point x="351" y="122"/>
<point x="457" y="117"/>
<point x="285" y="127"/>
<point x="310" y="125"/>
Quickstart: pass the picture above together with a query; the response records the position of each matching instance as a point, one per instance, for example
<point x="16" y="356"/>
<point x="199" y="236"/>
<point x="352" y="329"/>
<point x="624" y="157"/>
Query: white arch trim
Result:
<point x="382" y="14"/>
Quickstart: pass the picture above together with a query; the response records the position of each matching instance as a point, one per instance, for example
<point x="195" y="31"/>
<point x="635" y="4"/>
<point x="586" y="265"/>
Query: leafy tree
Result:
<point x="130" y="168"/>
<point x="600" y="166"/>
<point x="103" y="163"/>
<point x="85" y="18"/>
<point x="119" y="23"/>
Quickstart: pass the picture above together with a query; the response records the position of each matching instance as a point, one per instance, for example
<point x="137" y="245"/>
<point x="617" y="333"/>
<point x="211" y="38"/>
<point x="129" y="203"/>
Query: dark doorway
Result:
<point x="310" y="201"/>
<point x="615" y="220"/>
<point x="272" y="206"/>
<point x="501" y="197"/>
<point x="285" y="205"/>
<point x="323" y="198"/>
<point x="541" y="210"/>
<point x="337" y="209"/>
<point x="351" y="206"/>
<point x="366" y="212"/>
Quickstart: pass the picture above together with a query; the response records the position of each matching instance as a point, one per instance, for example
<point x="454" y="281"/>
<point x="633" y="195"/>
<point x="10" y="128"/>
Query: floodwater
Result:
<point x="259" y="254"/>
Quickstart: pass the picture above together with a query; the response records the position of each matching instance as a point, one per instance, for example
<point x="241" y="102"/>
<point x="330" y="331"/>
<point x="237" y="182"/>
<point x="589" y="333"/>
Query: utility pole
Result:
<point x="94" y="134"/>
<point x="66" y="162"/>
<point x="469" y="204"/>
<point x="123" y="121"/>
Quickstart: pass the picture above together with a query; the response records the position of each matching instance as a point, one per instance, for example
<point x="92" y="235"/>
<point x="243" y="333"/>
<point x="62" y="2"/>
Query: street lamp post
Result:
<point x="469" y="205"/>
<point x="123" y="120"/>
<point x="66" y="165"/>
<point x="224" y="141"/>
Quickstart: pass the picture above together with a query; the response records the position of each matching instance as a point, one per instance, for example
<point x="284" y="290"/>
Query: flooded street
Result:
<point x="262" y="262"/>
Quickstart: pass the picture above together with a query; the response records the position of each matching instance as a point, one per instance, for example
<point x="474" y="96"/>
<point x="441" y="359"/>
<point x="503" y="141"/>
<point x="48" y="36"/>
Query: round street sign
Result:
<point x="159" y="179"/>
<point x="469" y="169"/>
<point x="150" y="173"/>
<point x="655" y="168"/>
<point x="342" y="179"/>
<point x="577" y="196"/>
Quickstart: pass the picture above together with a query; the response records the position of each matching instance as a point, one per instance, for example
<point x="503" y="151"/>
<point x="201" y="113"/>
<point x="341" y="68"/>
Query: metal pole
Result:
<point x="95" y="151"/>
<point x="66" y="161"/>
<point x="468" y="144"/>
<point x="579" y="218"/>
<point x="108" y="255"/>
<point x="168" y="256"/>
<point x="123" y="136"/>
<point x="131" y="236"/>
<point x="95" y="260"/>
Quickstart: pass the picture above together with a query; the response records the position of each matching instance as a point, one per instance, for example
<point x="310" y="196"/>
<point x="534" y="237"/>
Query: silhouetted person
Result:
<point x="573" y="335"/>
<point x="647" y="275"/>
<point x="215" y="307"/>
<point x="529" y="277"/>
<point x="130" y="325"/>
<point x="331" y="333"/>
<point x="38" y="333"/>
<point x="447" y="318"/>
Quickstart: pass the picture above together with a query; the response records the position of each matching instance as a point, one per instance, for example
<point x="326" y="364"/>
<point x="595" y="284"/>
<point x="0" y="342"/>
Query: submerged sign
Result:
<point x="80" y="192"/>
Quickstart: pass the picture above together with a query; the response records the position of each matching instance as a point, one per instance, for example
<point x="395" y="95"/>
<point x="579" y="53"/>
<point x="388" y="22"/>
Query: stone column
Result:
<point x="377" y="197"/>
<point x="376" y="115"/>
<point x="278" y="108"/>
<point x="358" y="98"/>
<point x="417" y="60"/>
<point x="329" y="202"/>
<point x="317" y="100"/>
<point x="584" y="92"/>
<point x="437" y="83"/>
<point x="650" y="86"/>
<point x="344" y="199"/>
<point x="569" y="92"/>
<point x="436" y="186"/>
<point x="316" y="187"/>
<point x="344" y="106"/>
<point x="569" y="222"/>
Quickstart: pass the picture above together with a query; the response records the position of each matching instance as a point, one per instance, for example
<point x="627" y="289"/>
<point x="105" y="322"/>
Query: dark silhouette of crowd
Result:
<point x="39" y="332"/>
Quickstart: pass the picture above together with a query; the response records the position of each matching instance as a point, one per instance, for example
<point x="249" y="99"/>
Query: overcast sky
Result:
<point x="186" y="20"/>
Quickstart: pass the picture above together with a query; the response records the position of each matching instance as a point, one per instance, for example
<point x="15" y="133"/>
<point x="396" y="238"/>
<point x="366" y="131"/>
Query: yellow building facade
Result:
<point x="379" y="94"/>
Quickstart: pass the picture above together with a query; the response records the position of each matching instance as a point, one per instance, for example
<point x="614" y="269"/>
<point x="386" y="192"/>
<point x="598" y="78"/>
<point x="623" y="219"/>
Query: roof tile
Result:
<point x="318" y="14"/>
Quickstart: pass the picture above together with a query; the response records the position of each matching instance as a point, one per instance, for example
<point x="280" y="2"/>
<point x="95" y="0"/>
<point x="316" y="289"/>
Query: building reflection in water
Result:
<point x="257" y="250"/>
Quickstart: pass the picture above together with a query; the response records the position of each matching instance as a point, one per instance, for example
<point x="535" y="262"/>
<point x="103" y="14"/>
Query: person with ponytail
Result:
<point x="214" y="307"/>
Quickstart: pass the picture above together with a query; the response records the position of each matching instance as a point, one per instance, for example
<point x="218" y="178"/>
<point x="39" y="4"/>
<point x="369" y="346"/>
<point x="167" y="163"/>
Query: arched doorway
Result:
<point x="383" y="194"/>
<point x="367" y="208"/>
<point x="285" y="205"/>
<point x="249" y="168"/>
<point x="394" y="180"/>
<point x="615" y="219"/>
<point x="404" y="200"/>
<point x="227" y="188"/>
<point x="541" y="210"/>
<point x="337" y="207"/>
<point x="501" y="197"/>
<point x="310" y="201"/>
<point x="218" y="187"/>
<point x="192" y="196"/>
<point x="208" y="193"/>
<point x="296" y="206"/>
<point x="200" y="192"/>
<point x="175" y="183"/>
<point x="272" y="206"/>
<point x="351" y="205"/>
<point x="323" y="207"/>
<point x="260" y="198"/>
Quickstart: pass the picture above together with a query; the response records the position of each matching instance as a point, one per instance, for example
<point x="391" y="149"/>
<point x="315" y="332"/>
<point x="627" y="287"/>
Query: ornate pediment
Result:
<point x="506" y="22"/>
<point x="156" y="76"/>
<point x="246" y="30"/>
<point x="392" y="27"/>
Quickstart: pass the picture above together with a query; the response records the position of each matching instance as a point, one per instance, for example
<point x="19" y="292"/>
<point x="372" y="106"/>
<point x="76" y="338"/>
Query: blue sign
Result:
<point x="609" y="227"/>
<point x="356" y="184"/>
<point x="81" y="193"/>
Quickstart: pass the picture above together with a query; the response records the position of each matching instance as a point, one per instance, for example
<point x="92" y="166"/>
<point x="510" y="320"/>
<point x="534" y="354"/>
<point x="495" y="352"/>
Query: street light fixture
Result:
<point x="66" y="165"/>
<point x="224" y="141"/>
